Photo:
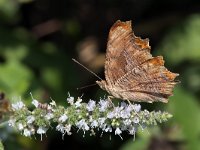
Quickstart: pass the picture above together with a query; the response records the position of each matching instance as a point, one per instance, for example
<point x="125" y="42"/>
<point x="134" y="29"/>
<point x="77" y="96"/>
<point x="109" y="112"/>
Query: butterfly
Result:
<point x="131" y="72"/>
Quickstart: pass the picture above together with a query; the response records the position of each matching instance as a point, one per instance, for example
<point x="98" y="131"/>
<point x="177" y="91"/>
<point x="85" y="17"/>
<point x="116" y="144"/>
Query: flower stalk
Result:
<point x="102" y="115"/>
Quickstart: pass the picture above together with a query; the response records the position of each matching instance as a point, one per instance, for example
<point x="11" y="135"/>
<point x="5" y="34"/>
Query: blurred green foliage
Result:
<point x="8" y="9"/>
<point x="1" y="146"/>
<point x="186" y="112"/>
<point x="43" y="66"/>
<point x="182" y="43"/>
<point x="181" y="48"/>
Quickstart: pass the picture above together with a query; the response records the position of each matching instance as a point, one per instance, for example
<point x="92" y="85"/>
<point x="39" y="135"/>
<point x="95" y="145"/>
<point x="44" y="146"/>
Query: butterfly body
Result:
<point x="130" y="70"/>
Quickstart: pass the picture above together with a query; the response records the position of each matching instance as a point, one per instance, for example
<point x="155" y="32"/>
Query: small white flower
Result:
<point x="127" y="122"/>
<point x="27" y="132"/>
<point x="94" y="124"/>
<point x="103" y="105"/>
<point x="129" y="108"/>
<point x="125" y="113"/>
<point x="116" y="113"/>
<point x="132" y="131"/>
<point x="30" y="119"/>
<point x="41" y="130"/>
<point x="70" y="100"/>
<point x="136" y="120"/>
<point x="101" y="121"/>
<point x="63" y="118"/>
<point x="123" y="104"/>
<point x="20" y="126"/>
<point x="137" y="107"/>
<point x="86" y="127"/>
<point x="91" y="105"/>
<point x="82" y="125"/>
<point x="53" y="103"/>
<point x="35" y="103"/>
<point x="60" y="128"/>
<point x="68" y="129"/>
<point x="118" y="131"/>
<point x="110" y="115"/>
<point x="146" y="113"/>
<point x="18" y="105"/>
<point x="108" y="129"/>
<point x="64" y="129"/>
<point x="78" y="102"/>
<point x="49" y="116"/>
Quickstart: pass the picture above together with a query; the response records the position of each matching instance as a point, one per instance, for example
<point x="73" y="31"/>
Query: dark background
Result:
<point x="38" y="39"/>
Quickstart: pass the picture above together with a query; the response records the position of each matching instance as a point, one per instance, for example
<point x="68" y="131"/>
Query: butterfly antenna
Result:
<point x="85" y="86"/>
<point x="86" y="68"/>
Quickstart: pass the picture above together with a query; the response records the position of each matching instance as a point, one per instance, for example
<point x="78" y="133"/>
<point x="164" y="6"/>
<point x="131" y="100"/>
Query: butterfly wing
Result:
<point x="116" y="64"/>
<point x="131" y="70"/>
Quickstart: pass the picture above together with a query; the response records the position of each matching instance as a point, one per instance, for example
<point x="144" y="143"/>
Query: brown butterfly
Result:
<point x="130" y="70"/>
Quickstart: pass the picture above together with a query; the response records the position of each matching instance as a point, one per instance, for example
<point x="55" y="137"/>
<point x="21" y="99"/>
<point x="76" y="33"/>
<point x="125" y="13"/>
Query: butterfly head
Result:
<point x="102" y="84"/>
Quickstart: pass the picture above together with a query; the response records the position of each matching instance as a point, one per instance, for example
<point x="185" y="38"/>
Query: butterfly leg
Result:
<point x="129" y="102"/>
<point x="109" y="99"/>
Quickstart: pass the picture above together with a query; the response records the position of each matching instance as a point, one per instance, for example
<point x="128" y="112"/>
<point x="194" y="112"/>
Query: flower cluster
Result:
<point x="102" y="115"/>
